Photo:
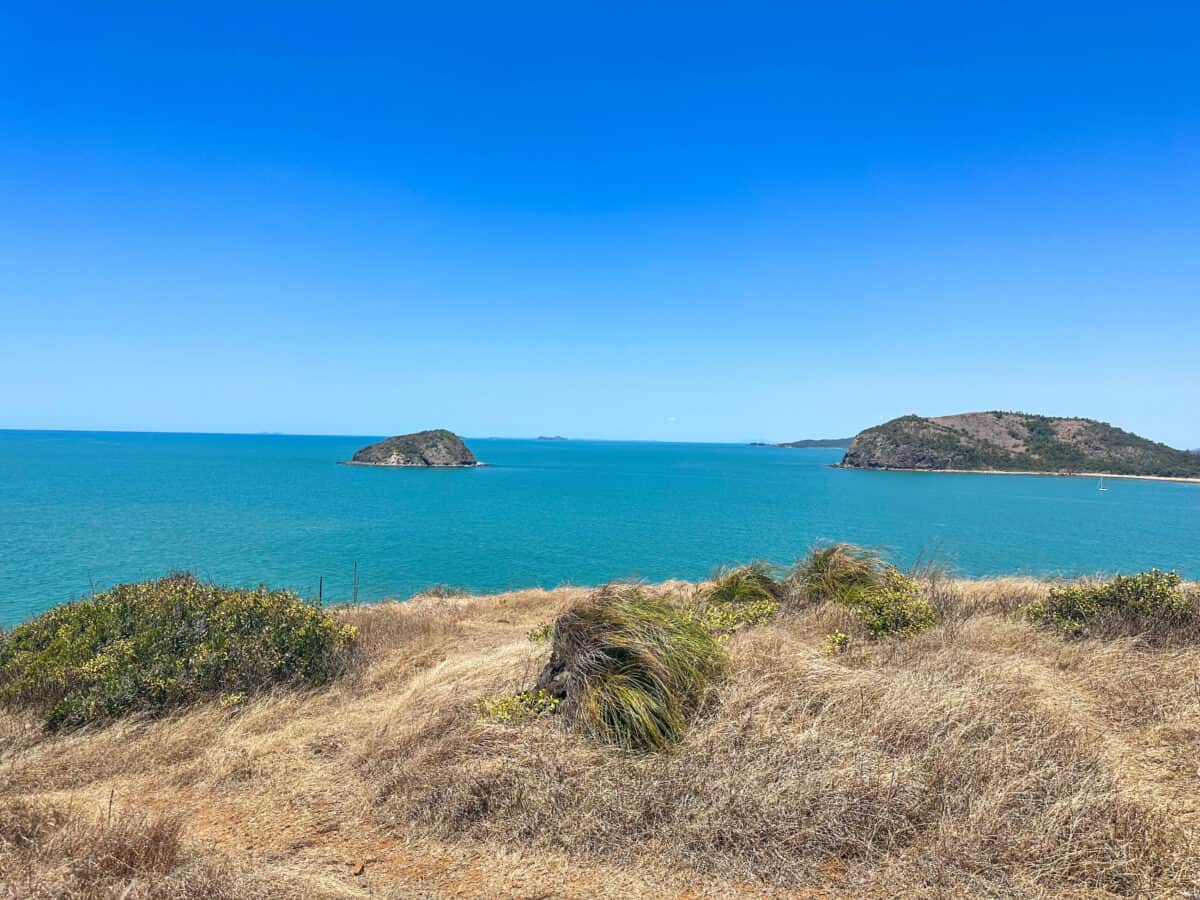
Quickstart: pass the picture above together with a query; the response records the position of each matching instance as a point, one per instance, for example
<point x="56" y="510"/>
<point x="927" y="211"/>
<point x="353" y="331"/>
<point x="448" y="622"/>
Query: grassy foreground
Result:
<point x="942" y="738"/>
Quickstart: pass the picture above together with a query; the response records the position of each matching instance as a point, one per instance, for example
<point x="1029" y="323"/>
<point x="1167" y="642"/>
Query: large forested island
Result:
<point x="1014" y="442"/>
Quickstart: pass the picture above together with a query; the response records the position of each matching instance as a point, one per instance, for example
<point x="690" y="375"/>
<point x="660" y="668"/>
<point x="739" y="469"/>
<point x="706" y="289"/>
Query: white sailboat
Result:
<point x="1100" y="486"/>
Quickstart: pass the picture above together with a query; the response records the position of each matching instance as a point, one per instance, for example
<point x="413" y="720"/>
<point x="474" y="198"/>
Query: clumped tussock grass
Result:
<point x="832" y="571"/>
<point x="630" y="670"/>
<point x="739" y="598"/>
<point x="157" y="645"/>
<point x="52" y="852"/>
<point x="887" y="601"/>
<point x="944" y="768"/>
<point x="1146" y="603"/>
<point x="750" y="583"/>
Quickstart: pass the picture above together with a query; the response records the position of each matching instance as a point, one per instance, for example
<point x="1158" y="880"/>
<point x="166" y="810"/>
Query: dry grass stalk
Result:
<point x="48" y="851"/>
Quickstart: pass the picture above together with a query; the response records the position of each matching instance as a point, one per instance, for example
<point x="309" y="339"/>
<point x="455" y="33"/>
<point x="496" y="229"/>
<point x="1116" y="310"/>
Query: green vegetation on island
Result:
<point x="1016" y="442"/>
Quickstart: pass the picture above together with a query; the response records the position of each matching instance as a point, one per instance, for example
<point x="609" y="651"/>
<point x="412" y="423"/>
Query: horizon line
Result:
<point x="490" y="437"/>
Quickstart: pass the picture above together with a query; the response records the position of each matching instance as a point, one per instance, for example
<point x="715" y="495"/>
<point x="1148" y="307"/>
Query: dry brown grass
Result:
<point x="983" y="757"/>
<point x="55" y="852"/>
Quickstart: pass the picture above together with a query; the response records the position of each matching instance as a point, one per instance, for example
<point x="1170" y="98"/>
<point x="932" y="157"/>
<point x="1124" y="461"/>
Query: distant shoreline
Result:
<point x="809" y="444"/>
<point x="1181" y="478"/>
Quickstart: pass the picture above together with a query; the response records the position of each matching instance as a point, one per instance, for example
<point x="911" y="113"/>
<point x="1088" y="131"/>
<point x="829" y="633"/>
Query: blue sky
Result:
<point x="697" y="223"/>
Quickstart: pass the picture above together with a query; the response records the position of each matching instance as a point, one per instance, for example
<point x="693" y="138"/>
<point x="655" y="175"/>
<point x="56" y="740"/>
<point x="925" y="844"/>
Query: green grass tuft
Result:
<point x="739" y="598"/>
<point x="886" y="601"/>
<point x="630" y="670"/>
<point x="156" y="645"/>
<point x="830" y="572"/>
<point x="745" y="584"/>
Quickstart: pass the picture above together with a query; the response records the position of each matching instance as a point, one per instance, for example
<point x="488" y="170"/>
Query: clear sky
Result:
<point x="702" y="222"/>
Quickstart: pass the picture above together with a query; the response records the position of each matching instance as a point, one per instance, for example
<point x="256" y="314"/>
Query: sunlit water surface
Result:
<point x="79" y="510"/>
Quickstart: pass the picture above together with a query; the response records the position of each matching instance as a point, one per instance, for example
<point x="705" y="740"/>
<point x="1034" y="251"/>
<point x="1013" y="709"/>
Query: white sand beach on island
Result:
<point x="1015" y="472"/>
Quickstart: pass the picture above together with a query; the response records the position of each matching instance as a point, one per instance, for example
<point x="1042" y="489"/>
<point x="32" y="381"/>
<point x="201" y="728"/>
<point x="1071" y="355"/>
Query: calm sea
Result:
<point x="82" y="509"/>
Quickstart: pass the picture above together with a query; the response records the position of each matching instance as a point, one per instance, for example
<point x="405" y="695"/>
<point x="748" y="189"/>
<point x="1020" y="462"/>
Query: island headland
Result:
<point x="436" y="448"/>
<point x="1018" y="443"/>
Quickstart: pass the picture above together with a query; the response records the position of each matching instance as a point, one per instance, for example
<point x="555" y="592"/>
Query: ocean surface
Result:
<point x="82" y="511"/>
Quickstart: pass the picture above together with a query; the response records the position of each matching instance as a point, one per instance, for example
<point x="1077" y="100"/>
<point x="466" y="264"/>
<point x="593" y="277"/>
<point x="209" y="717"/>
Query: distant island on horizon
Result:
<point x="435" y="448"/>
<point x="1014" y="442"/>
<point x="824" y="443"/>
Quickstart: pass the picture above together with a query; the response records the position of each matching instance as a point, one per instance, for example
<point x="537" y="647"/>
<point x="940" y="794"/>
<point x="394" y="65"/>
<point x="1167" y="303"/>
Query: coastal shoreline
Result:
<point x="1180" y="478"/>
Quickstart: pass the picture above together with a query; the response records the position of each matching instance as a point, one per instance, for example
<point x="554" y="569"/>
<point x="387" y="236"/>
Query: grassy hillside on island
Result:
<point x="1016" y="442"/>
<point x="839" y="729"/>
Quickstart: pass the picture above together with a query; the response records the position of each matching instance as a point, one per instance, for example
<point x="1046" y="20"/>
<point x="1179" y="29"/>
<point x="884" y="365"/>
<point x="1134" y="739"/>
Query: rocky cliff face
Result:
<point x="1003" y="441"/>
<point x="437" y="447"/>
<point x="896" y="449"/>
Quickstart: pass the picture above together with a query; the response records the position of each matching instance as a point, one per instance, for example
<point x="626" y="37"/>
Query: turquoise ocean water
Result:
<point x="78" y="509"/>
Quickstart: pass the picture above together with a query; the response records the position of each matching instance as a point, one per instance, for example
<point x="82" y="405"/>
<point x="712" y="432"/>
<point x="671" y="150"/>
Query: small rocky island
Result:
<point x="1014" y="442"/>
<point x="437" y="448"/>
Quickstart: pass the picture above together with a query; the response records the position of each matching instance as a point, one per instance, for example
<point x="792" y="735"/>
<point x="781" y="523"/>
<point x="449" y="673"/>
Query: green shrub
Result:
<point x="887" y="601"/>
<point x="1149" y="597"/>
<point x="156" y="645"/>
<point x="724" y="618"/>
<point x="892" y="607"/>
<point x="541" y="633"/>
<point x="517" y="706"/>
<point x="630" y="670"/>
